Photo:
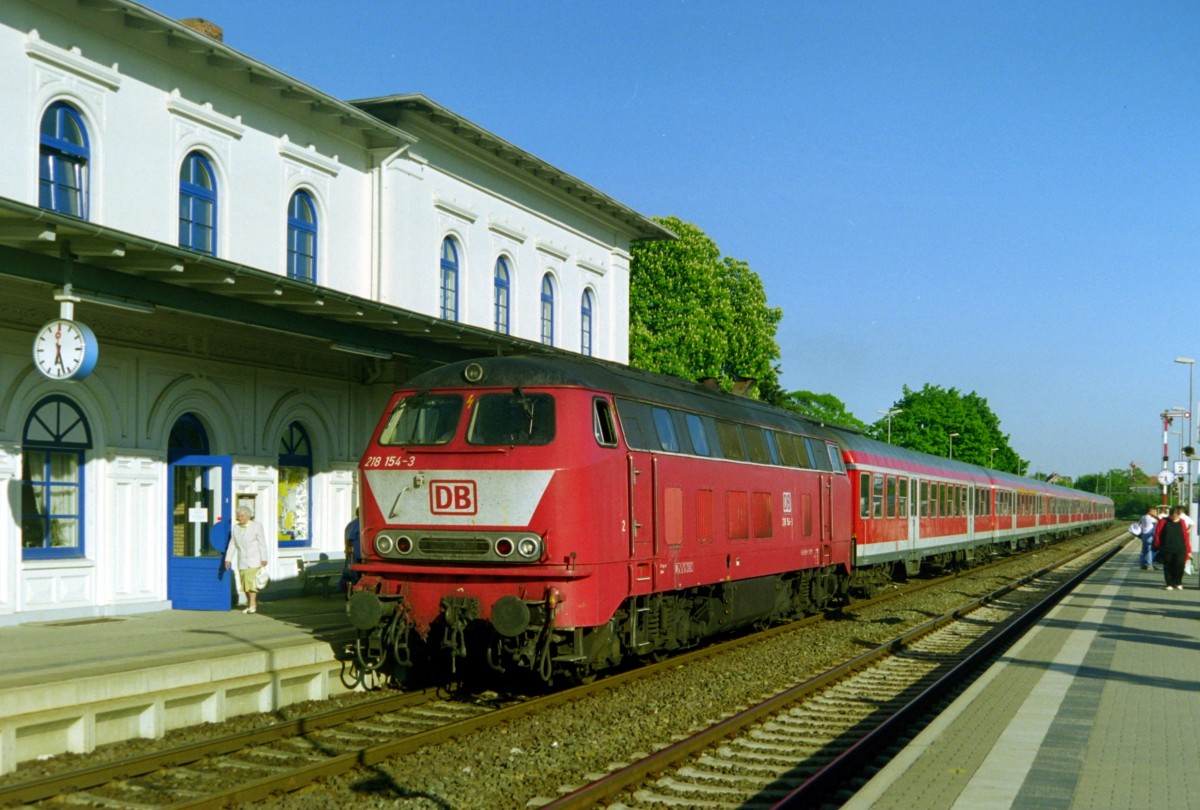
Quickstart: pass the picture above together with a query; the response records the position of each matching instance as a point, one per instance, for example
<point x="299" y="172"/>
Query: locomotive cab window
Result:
<point x="602" y="421"/>
<point x="514" y="418"/>
<point x="423" y="419"/>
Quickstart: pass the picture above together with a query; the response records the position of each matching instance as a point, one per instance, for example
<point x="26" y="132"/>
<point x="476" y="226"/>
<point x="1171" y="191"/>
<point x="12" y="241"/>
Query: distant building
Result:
<point x="259" y="264"/>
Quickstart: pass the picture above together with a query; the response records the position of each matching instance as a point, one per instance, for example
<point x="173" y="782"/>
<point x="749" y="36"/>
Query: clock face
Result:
<point x="65" y="350"/>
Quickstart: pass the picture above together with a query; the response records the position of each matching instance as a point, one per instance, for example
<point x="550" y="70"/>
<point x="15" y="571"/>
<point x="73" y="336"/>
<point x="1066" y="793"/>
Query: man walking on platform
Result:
<point x="1145" y="531"/>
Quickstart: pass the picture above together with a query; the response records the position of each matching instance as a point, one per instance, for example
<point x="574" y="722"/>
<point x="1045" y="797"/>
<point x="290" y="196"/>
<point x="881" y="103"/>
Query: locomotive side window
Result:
<point x="635" y="419"/>
<point x="515" y="418"/>
<point x="602" y="421"/>
<point x="731" y="441"/>
<point x="864" y="495"/>
<point x="817" y="455"/>
<point x="665" y="430"/>
<point x="802" y="452"/>
<point x="835" y="458"/>
<point x="423" y="419"/>
<point x="756" y="444"/>
<point x="787" y="450"/>
<point x="772" y="449"/>
<point x="695" y="429"/>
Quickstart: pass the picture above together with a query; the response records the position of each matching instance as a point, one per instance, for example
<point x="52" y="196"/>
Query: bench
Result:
<point x="316" y="575"/>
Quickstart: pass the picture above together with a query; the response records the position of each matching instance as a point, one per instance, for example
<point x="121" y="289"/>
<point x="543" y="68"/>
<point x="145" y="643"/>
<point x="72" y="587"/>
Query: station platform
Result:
<point x="75" y="684"/>
<point x="1097" y="707"/>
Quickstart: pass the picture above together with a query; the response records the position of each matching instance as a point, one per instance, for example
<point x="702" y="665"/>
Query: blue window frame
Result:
<point x="585" y="323"/>
<point x="198" y="205"/>
<point x="449" y="287"/>
<point x="302" y="237"/>
<point x="501" y="286"/>
<point x="295" y="487"/>
<point x="53" y="452"/>
<point x="547" y="310"/>
<point x="63" y="161"/>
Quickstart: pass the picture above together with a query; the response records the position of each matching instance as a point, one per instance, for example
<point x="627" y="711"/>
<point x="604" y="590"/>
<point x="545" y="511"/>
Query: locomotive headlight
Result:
<point x="404" y="544"/>
<point x="504" y="546"/>
<point x="529" y="548"/>
<point x="384" y="544"/>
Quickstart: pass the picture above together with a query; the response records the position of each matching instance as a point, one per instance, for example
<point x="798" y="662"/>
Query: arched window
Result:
<point x="198" y="205"/>
<point x="188" y="438"/>
<point x="449" y="279"/>
<point x="295" y="487"/>
<point x="63" y="161"/>
<point x="585" y="323"/>
<point x="501" y="284"/>
<point x="547" y="310"/>
<point x="53" y="450"/>
<point x="302" y="237"/>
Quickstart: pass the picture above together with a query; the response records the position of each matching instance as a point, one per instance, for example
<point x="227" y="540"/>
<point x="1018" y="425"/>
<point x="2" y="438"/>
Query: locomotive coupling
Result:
<point x="364" y="610"/>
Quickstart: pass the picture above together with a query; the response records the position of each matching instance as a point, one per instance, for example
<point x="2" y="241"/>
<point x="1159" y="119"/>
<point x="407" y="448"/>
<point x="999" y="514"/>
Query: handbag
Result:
<point x="261" y="578"/>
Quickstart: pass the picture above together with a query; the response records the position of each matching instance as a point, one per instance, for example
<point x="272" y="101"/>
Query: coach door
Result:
<point x="913" y="504"/>
<point x="197" y="532"/>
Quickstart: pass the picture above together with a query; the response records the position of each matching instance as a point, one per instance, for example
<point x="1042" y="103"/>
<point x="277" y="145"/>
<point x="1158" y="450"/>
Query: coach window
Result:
<point x="889" y="497"/>
<point x="198" y="205"/>
<point x="731" y="441"/>
<point x="63" y="161"/>
<point x="877" y="496"/>
<point x="295" y="488"/>
<point x="695" y="429"/>
<point x="864" y="495"/>
<point x="902" y="497"/>
<point x="756" y="445"/>
<point x="602" y="421"/>
<point x="924" y="499"/>
<point x="449" y="280"/>
<point x="53" y="449"/>
<point x="665" y="430"/>
<point x="302" y="238"/>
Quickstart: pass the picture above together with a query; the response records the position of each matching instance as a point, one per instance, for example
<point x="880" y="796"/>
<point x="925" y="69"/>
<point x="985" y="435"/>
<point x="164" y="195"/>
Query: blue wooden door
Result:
<point x="198" y="521"/>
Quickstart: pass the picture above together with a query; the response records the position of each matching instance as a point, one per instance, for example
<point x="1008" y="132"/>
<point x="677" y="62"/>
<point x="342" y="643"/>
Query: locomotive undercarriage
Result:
<point x="520" y="638"/>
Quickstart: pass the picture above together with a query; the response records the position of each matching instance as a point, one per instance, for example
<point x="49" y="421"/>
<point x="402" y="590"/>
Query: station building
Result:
<point x="212" y="275"/>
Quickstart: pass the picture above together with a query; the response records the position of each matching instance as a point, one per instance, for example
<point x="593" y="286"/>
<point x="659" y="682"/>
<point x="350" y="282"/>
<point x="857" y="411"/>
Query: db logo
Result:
<point x="452" y="498"/>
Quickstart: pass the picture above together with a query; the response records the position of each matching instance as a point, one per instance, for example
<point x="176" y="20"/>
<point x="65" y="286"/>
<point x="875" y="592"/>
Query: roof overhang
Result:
<point x="118" y="269"/>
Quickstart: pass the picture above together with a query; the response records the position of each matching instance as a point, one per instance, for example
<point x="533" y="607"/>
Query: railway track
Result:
<point x="806" y="746"/>
<point x="282" y="757"/>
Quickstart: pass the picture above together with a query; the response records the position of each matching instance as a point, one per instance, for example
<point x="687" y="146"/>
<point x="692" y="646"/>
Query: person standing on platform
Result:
<point x="353" y="535"/>
<point x="1191" y="533"/>
<point x="1145" y="531"/>
<point x="1171" y="546"/>
<point x="248" y="540"/>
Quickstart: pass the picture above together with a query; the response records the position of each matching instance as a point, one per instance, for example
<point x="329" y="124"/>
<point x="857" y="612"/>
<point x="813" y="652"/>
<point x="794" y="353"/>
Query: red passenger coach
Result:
<point x="559" y="515"/>
<point x="556" y="516"/>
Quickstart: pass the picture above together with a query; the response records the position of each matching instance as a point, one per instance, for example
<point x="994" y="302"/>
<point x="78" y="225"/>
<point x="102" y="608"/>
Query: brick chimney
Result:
<point x="202" y="26"/>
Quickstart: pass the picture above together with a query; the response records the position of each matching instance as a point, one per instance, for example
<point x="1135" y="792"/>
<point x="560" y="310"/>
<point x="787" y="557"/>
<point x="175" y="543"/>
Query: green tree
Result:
<point x="824" y="408"/>
<point x="923" y="420"/>
<point x="695" y="314"/>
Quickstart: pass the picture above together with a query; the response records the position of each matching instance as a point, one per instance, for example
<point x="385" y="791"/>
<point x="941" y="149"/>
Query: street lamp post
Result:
<point x="889" y="415"/>
<point x="1190" y="362"/>
<point x="952" y="435"/>
<point x="992" y="456"/>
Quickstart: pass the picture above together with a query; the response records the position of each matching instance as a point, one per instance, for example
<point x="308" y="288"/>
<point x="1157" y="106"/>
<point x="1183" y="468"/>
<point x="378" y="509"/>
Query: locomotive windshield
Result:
<point x="423" y="419"/>
<point x="514" y="418"/>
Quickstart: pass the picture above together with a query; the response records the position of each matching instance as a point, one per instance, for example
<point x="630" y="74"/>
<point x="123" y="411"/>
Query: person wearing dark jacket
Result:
<point x="1171" y="547"/>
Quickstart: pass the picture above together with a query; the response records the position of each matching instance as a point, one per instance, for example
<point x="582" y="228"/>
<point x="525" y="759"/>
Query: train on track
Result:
<point x="555" y="516"/>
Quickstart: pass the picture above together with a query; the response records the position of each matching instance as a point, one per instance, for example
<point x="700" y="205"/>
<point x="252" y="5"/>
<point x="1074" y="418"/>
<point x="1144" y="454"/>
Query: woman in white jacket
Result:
<point x="250" y="543"/>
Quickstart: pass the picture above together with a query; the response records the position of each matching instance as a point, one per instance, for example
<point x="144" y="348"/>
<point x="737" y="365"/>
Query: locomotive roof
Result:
<point x="622" y="381"/>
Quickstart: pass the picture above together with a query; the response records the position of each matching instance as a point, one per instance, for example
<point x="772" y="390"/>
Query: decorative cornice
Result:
<point x="72" y="61"/>
<point x="205" y="115"/>
<point x="309" y="157"/>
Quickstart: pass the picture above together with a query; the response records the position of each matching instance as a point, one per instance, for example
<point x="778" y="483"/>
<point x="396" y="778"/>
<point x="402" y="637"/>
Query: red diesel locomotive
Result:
<point x="558" y="515"/>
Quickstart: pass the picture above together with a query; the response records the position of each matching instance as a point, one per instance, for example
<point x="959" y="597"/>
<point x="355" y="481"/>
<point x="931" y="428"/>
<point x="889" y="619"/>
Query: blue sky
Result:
<point x="1000" y="197"/>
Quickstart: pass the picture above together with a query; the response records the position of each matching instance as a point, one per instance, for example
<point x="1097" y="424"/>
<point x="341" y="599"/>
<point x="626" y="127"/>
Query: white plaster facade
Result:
<point x="391" y="179"/>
